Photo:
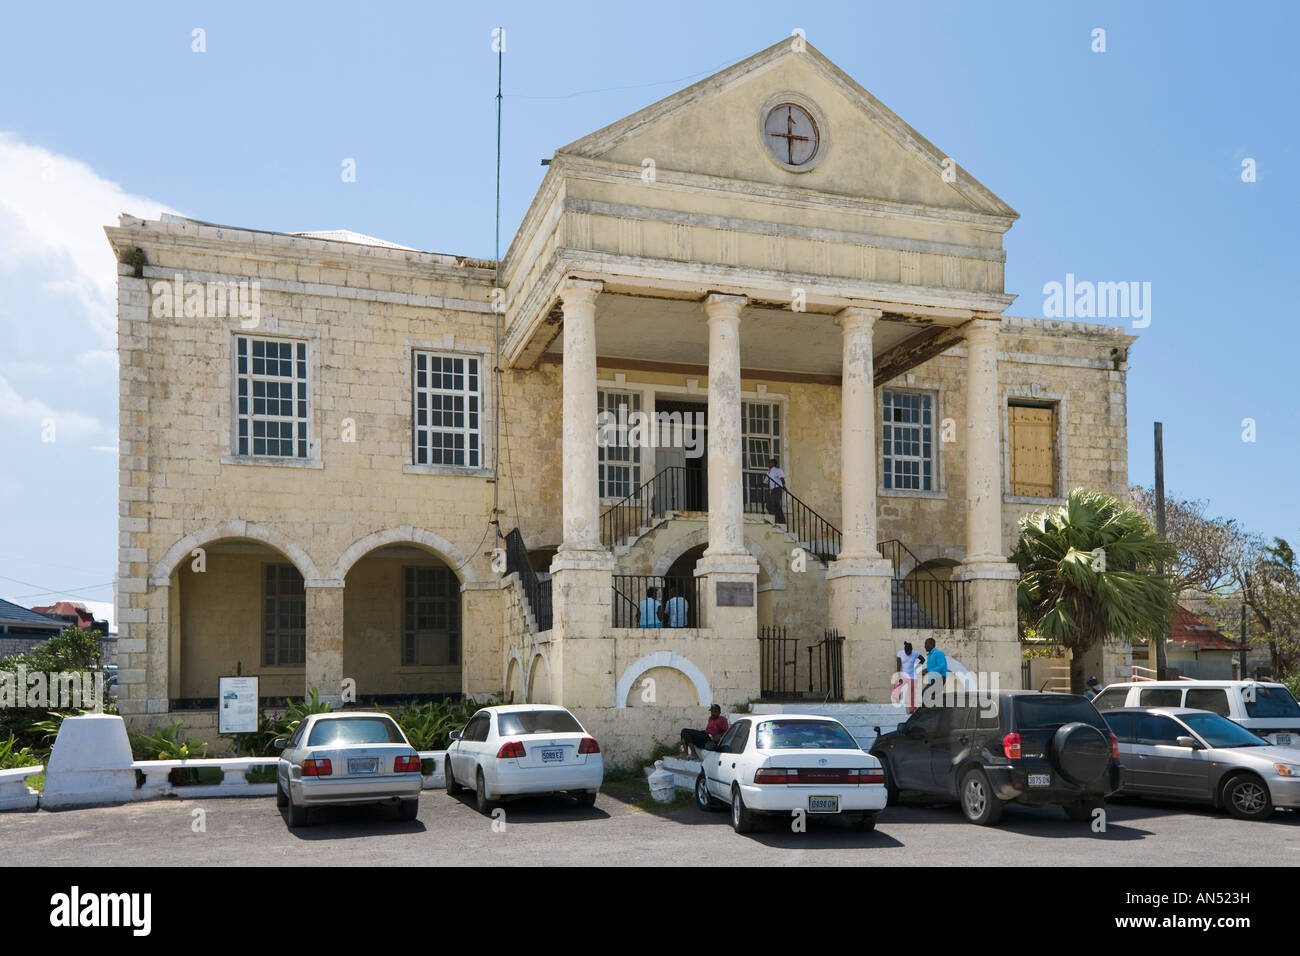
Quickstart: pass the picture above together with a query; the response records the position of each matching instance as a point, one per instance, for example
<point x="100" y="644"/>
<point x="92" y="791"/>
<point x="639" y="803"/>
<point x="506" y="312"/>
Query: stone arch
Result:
<point x="539" y="669"/>
<point x="514" y="677"/>
<point x="669" y="659"/>
<point x="775" y="577"/>
<point x="406" y="534"/>
<point x="160" y="574"/>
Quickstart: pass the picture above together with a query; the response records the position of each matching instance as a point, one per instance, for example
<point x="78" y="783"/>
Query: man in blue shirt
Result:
<point x="647" y="611"/>
<point x="675" y="609"/>
<point x="936" y="663"/>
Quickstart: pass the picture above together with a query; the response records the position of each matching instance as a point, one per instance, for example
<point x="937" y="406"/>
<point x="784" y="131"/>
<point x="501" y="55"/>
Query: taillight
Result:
<point x="588" y="746"/>
<point x="776" y="775"/>
<point x="1011" y="746"/>
<point x="1114" y="746"/>
<point x="850" y="776"/>
<point x="316" y="768"/>
<point x="513" y="749"/>
<point x="407" y="765"/>
<point x="871" y="776"/>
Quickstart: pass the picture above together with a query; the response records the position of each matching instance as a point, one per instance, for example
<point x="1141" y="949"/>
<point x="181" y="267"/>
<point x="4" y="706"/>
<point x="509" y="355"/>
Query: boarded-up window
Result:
<point x="1033" y="450"/>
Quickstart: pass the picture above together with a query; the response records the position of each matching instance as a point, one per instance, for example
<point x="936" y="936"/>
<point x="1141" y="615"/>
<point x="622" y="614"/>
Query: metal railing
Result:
<point x="652" y="600"/>
<point x="826" y="667"/>
<point x="676" y="488"/>
<point x="778" y="663"/>
<point x="537" y="591"/>
<point x="923" y="600"/>
<point x="822" y="538"/>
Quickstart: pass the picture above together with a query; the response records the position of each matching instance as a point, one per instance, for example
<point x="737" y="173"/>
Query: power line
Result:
<point x="616" y="89"/>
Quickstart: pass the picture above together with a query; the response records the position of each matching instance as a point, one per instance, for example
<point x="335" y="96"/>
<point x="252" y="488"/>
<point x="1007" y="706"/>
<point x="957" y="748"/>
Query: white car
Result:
<point x="347" y="758"/>
<point x="790" y="762"/>
<point x="1265" y="708"/>
<point x="512" y="750"/>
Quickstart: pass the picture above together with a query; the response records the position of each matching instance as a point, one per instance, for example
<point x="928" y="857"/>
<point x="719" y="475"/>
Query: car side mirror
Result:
<point x="877" y="730"/>
<point x="1188" y="742"/>
<point x="454" y="735"/>
<point x="279" y="743"/>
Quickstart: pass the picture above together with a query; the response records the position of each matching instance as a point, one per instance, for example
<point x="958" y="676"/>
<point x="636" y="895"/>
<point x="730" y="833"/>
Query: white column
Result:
<point x="858" y="437"/>
<point x="581" y="489"/>
<point x="983" y="445"/>
<point x="726" y="493"/>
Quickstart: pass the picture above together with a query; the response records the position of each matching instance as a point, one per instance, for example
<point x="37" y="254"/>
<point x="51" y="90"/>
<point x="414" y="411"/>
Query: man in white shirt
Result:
<point x="907" y="661"/>
<point x="775" y="490"/>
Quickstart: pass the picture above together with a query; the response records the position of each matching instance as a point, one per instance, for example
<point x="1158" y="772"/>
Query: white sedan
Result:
<point x="511" y="750"/>
<point x="787" y="764"/>
<point x="347" y="758"/>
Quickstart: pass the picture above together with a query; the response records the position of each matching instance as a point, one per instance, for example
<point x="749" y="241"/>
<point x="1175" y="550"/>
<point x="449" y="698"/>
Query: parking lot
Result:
<point x="553" y="831"/>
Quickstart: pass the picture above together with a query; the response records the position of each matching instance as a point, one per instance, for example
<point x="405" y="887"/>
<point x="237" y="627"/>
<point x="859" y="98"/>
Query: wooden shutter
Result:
<point x="1033" y="451"/>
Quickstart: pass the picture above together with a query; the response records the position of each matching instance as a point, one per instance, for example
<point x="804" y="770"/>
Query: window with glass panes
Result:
<point x="431" y="616"/>
<point x="448" y="410"/>
<point x="619" y="460"/>
<point x="760" y="439"/>
<point x="284" y="617"/>
<point x="907" y="433"/>
<point x="271" y="398"/>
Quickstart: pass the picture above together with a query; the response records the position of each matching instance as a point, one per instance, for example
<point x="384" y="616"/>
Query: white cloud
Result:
<point x="35" y="413"/>
<point x="60" y="207"/>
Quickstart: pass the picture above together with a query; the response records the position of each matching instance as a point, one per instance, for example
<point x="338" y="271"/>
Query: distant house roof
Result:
<point x="1193" y="631"/>
<point x="15" y="615"/>
<point x="68" y="610"/>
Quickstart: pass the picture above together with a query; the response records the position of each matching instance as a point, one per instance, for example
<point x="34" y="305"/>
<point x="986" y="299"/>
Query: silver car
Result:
<point x="1186" y="754"/>
<point x="346" y="759"/>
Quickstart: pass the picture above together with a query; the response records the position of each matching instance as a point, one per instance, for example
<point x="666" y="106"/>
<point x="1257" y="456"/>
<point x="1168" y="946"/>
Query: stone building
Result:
<point x="770" y="261"/>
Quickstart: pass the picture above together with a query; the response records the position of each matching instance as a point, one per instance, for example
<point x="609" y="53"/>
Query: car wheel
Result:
<point x="742" y="818"/>
<point x="587" y="798"/>
<point x="891" y="790"/>
<point x="449" y="778"/>
<point x="703" y="799"/>
<point x="1081" y="810"/>
<point x="485" y="805"/>
<point x="409" y="810"/>
<point x="297" y="814"/>
<point x="281" y="799"/>
<point x="866" y="822"/>
<point x="978" y="802"/>
<point x="1247" y="798"/>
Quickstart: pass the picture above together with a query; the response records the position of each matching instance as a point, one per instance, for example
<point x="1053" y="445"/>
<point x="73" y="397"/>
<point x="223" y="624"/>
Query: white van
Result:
<point x="1266" y="709"/>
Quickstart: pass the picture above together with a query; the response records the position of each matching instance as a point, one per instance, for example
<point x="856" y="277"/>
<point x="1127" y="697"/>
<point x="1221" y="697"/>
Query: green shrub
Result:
<point x="1293" y="684"/>
<point x="165" y="743"/>
<point x="427" y="726"/>
<point x="11" y="755"/>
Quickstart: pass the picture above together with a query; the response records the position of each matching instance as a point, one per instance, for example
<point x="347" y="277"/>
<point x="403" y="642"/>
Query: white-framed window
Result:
<point x="447" y="427"/>
<point x="760" y="431"/>
<point x="270" y="398"/>
<point x="284" y="617"/>
<point x="619" y="460"/>
<point x="907" y="436"/>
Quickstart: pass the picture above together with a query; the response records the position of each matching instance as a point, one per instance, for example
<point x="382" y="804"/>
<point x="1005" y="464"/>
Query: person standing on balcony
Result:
<point x="647" y="612"/>
<point x="907" y="661"/>
<point x="675" y="609"/>
<point x="775" y="490"/>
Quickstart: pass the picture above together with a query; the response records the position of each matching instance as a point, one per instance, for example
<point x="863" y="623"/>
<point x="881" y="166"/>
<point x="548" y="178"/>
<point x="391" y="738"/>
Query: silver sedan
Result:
<point x="345" y="759"/>
<point x="1185" y="754"/>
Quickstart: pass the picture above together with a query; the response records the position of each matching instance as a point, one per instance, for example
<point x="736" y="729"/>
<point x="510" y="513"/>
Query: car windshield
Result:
<point x="515" y="723"/>
<point x="804" y="735"/>
<point x="355" y="730"/>
<point x="1221" y="732"/>
<point x="1036" y="711"/>
<point x="1269" y="702"/>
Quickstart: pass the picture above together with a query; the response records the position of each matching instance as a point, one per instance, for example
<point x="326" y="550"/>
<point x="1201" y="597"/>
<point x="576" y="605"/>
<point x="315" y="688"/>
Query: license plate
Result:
<point x="367" y="765"/>
<point x="552" y="756"/>
<point x="1040" y="779"/>
<point x="823" y="804"/>
<point x="1283" y="739"/>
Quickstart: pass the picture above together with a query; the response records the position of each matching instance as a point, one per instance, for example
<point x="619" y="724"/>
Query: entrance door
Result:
<point x="681" y="432"/>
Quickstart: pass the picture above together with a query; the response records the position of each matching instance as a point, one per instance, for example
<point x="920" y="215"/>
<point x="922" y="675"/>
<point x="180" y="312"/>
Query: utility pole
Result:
<point x="1244" y="647"/>
<point x="1161" y="665"/>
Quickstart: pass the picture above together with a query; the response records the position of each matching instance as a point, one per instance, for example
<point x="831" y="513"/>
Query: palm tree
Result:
<point x="1092" y="570"/>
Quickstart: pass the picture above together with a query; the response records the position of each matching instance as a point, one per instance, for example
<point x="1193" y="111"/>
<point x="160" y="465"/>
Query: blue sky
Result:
<point x="1124" y="165"/>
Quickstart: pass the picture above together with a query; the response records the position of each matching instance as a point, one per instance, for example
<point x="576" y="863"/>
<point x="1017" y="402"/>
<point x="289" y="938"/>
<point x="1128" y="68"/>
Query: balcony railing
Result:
<point x="822" y="538"/>
<point x="537" y="591"/>
<point x="652" y="600"/>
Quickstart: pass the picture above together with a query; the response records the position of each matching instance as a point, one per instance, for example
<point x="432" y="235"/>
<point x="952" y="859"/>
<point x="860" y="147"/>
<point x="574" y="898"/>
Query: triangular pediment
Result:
<point x="714" y="128"/>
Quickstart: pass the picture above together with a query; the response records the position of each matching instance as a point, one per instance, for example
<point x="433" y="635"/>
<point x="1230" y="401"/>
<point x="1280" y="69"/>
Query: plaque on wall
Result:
<point x="735" y="594"/>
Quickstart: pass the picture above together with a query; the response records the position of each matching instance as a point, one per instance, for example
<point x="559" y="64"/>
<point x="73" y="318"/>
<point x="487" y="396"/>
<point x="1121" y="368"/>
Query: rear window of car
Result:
<point x="804" y="735"/>
<point x="1160" y="697"/>
<point x="1111" y="699"/>
<point x="1213" y="699"/>
<point x="355" y="730"/>
<point x="514" y="723"/>
<point x="1270" y="702"/>
<point x="1053" y="710"/>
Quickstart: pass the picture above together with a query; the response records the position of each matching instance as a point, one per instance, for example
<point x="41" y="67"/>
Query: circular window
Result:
<point x="792" y="136"/>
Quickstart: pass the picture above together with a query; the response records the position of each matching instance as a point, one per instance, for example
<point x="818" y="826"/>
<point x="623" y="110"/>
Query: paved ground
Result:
<point x="554" y="831"/>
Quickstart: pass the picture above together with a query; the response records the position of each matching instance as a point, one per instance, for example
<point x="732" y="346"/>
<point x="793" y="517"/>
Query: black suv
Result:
<point x="1032" y="748"/>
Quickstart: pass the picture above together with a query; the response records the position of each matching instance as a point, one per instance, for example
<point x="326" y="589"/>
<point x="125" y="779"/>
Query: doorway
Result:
<point x="682" y="459"/>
